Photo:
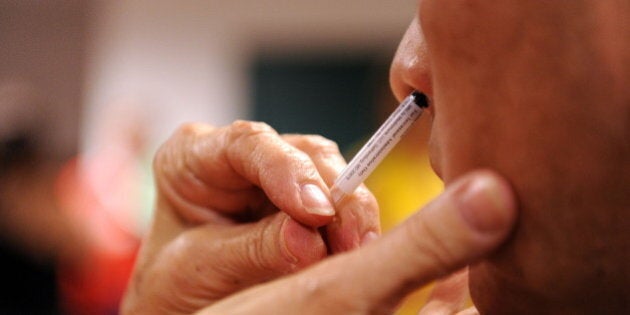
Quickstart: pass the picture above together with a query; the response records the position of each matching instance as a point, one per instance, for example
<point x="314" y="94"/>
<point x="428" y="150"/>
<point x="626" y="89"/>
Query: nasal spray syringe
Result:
<point x="375" y="150"/>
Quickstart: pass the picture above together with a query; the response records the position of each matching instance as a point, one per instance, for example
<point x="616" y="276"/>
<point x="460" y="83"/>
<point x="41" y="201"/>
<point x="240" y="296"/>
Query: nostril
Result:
<point x="420" y="99"/>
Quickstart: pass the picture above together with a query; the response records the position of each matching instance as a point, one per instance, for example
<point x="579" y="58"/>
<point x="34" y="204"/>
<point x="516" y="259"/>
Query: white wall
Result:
<point x="187" y="60"/>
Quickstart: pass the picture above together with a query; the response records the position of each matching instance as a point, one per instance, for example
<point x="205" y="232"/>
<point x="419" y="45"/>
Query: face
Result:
<point x="526" y="88"/>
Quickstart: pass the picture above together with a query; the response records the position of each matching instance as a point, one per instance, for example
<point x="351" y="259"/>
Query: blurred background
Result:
<point x="89" y="89"/>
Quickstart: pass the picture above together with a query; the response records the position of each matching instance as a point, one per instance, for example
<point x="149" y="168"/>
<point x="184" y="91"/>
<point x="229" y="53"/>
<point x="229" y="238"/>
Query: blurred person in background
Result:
<point x="69" y="230"/>
<point x="536" y="91"/>
<point x="35" y="235"/>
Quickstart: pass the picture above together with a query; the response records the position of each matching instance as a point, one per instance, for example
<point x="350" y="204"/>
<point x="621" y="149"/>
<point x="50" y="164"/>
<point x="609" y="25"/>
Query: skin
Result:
<point x="536" y="90"/>
<point x="229" y="227"/>
<point x="471" y="218"/>
<point x="230" y="214"/>
<point x="529" y="107"/>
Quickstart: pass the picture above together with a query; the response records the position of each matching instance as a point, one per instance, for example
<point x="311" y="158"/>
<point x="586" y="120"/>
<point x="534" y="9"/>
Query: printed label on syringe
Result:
<point x="375" y="150"/>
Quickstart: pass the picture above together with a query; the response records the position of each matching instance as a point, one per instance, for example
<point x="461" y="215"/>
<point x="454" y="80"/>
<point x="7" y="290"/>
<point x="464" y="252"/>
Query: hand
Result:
<point x="467" y="222"/>
<point x="238" y="206"/>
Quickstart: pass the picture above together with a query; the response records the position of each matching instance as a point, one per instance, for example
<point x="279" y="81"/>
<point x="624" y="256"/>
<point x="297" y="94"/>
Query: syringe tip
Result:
<point x="420" y="99"/>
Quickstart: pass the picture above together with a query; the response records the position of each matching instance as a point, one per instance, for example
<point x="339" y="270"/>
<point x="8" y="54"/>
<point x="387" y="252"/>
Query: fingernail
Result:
<point x="485" y="202"/>
<point x="368" y="237"/>
<point x="315" y="201"/>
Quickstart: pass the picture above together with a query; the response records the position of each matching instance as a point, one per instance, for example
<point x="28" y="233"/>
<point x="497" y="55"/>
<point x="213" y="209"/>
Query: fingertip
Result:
<point x="315" y="201"/>
<point x="302" y="244"/>
<point x="313" y="207"/>
<point x="487" y="203"/>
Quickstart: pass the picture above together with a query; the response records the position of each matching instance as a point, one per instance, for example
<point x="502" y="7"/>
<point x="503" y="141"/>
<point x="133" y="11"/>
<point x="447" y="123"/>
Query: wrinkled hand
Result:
<point x="468" y="221"/>
<point x="238" y="206"/>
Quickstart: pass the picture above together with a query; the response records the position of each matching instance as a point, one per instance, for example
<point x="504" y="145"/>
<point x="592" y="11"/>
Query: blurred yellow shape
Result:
<point x="403" y="184"/>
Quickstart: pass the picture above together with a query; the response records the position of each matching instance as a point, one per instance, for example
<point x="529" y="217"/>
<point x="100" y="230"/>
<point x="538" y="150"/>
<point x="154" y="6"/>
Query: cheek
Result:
<point x="444" y="27"/>
<point x="435" y="154"/>
<point x="459" y="141"/>
<point x="464" y="40"/>
<point x="448" y="21"/>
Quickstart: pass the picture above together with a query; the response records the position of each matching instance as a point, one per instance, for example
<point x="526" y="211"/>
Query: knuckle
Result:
<point x="244" y="128"/>
<point x="181" y="248"/>
<point x="181" y="137"/>
<point x="279" y="160"/>
<point x="176" y="254"/>
<point x="188" y="132"/>
<point x="184" y="258"/>
<point x="187" y="129"/>
<point x="256" y="137"/>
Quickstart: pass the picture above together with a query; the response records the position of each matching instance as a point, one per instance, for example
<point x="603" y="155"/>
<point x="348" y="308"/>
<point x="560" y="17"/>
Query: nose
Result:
<point x="410" y="70"/>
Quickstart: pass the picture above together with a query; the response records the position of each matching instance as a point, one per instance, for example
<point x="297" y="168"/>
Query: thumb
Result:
<point x="209" y="262"/>
<point x="468" y="221"/>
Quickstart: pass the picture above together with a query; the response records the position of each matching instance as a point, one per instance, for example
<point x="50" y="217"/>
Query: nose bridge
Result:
<point x="411" y="69"/>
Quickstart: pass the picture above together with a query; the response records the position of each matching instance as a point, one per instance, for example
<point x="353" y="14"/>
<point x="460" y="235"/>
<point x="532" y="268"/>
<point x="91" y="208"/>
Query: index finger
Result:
<point x="220" y="169"/>
<point x="357" y="218"/>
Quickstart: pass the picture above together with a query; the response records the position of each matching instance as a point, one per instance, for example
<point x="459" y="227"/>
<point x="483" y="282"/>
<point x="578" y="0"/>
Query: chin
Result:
<point x="491" y="295"/>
